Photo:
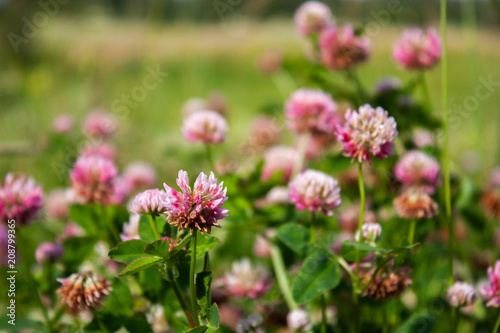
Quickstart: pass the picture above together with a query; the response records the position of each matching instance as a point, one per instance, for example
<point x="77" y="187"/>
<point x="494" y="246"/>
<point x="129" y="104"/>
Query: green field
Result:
<point x="91" y="62"/>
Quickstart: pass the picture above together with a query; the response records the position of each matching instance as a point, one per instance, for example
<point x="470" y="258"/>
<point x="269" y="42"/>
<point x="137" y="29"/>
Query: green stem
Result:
<point x="100" y="323"/>
<point x="361" y="214"/>
<point x="312" y="228"/>
<point x="323" y="314"/>
<point x="301" y="151"/>
<point x="355" y="289"/>
<point x="154" y="226"/>
<point x="210" y="160"/>
<point x="346" y="267"/>
<point x="446" y="150"/>
<point x="362" y="95"/>
<point x="455" y="317"/>
<point x="425" y="91"/>
<point x="281" y="276"/>
<point x="179" y="296"/>
<point x="411" y="231"/>
<point x="497" y="325"/>
<point x="31" y="281"/>
<point x="192" y="290"/>
<point x="385" y="328"/>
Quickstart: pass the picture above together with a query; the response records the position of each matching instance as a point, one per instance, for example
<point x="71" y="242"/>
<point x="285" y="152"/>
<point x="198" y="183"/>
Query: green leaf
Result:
<point x="348" y="250"/>
<point x="213" y="319"/>
<point x="139" y="265"/>
<point x="76" y="249"/>
<point x="319" y="274"/>
<point x="205" y="243"/>
<point x="199" y="329"/>
<point x="161" y="248"/>
<point x="203" y="292"/>
<point x="128" y="251"/>
<point x="418" y="322"/>
<point x="296" y="237"/>
<point x="84" y="216"/>
<point x="146" y="231"/>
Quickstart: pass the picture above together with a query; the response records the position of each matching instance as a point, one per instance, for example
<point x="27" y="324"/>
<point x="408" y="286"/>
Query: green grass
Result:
<point x="90" y="63"/>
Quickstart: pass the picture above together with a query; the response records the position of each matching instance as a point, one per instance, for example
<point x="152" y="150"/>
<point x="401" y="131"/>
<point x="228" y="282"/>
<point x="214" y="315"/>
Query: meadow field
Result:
<point x="92" y="62"/>
<point x="332" y="220"/>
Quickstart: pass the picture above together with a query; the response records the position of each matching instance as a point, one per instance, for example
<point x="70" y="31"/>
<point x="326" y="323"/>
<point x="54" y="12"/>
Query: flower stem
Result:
<point x="411" y="231"/>
<point x="385" y="328"/>
<point x="210" y="160"/>
<point x="179" y="296"/>
<point x="312" y="229"/>
<point x="425" y="90"/>
<point x="361" y="214"/>
<point x="497" y="325"/>
<point x="192" y="290"/>
<point x="446" y="149"/>
<point x="154" y="226"/>
<point x="362" y="95"/>
<point x="323" y="314"/>
<point x="301" y="152"/>
<point x="280" y="271"/>
<point x="355" y="288"/>
<point x="455" y="317"/>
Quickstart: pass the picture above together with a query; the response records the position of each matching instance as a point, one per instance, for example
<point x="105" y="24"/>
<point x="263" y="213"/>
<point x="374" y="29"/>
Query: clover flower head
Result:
<point x="245" y="280"/>
<point x="492" y="292"/>
<point x="20" y="198"/>
<point x="315" y="191"/>
<point x="311" y="17"/>
<point x="416" y="168"/>
<point x="461" y="294"/>
<point x="417" y="49"/>
<point x="83" y="291"/>
<point x="367" y="132"/>
<point x="341" y="49"/>
<point x="93" y="180"/>
<point x="149" y="202"/>
<point x="311" y="111"/>
<point x="200" y="208"/>
<point x="205" y="126"/>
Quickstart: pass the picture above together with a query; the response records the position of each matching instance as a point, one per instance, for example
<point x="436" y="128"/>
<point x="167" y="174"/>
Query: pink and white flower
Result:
<point x="342" y="49"/>
<point x="417" y="49"/>
<point x="57" y="204"/>
<point x="48" y="252"/>
<point x="93" y="179"/>
<point x="279" y="159"/>
<point x="131" y="228"/>
<point x="63" y="123"/>
<point x="311" y="17"/>
<point x="492" y="292"/>
<point x="149" y="202"/>
<point x="315" y="191"/>
<point x="311" y="111"/>
<point x="245" y="280"/>
<point x="461" y="294"/>
<point x="366" y="132"/>
<point x="100" y="124"/>
<point x="139" y="175"/>
<point x="416" y="168"/>
<point x="205" y="126"/>
<point x="20" y="199"/>
<point x="200" y="208"/>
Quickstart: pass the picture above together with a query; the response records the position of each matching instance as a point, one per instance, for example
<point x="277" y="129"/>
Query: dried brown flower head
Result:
<point x="386" y="284"/>
<point x="83" y="291"/>
<point x="415" y="203"/>
<point x="490" y="200"/>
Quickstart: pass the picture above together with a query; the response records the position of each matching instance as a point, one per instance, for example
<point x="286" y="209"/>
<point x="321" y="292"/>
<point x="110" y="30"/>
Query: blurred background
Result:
<point x="72" y="56"/>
